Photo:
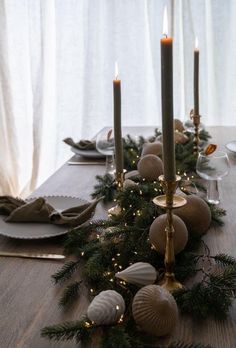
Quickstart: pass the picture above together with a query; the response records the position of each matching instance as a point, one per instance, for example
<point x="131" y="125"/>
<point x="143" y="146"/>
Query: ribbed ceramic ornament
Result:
<point x="140" y="273"/>
<point x="155" y="310"/>
<point x="107" y="308"/>
<point x="157" y="234"/>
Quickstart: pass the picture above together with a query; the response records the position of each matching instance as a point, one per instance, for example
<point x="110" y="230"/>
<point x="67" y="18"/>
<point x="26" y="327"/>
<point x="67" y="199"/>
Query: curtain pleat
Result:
<point x="57" y="66"/>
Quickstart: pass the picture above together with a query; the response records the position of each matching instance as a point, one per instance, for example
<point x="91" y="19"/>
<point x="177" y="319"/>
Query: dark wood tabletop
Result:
<point x="29" y="300"/>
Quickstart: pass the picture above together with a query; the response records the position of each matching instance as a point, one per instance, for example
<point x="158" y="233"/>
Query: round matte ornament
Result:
<point x="157" y="234"/>
<point x="150" y="167"/>
<point x="154" y="148"/>
<point x="196" y="214"/>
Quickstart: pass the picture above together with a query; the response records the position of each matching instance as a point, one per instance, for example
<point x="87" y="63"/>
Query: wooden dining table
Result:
<point x="29" y="299"/>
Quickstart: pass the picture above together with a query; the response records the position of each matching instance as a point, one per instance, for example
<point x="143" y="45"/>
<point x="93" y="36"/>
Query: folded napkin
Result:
<point x="8" y="204"/>
<point x="82" y="144"/>
<point x="39" y="210"/>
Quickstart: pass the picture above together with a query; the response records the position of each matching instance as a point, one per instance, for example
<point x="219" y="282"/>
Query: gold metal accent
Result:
<point x="32" y="255"/>
<point x="119" y="183"/>
<point x="116" y="210"/>
<point x="178" y="201"/>
<point x="196" y="123"/>
<point x="119" y="180"/>
<point x="170" y="201"/>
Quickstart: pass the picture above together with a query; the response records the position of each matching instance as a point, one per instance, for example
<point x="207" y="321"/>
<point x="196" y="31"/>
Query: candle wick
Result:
<point x="165" y="36"/>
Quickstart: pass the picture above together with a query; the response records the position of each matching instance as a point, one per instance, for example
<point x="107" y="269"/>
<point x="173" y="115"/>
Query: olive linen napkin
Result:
<point x="40" y="211"/>
<point x="82" y="144"/>
<point x="8" y="204"/>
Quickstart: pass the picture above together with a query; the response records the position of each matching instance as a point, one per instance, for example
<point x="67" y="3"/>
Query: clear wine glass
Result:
<point x="213" y="168"/>
<point x="105" y="145"/>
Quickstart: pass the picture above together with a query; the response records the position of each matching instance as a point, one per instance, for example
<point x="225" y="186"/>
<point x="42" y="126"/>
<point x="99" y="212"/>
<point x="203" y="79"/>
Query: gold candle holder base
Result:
<point x="170" y="283"/>
<point x="196" y="122"/>
<point x="169" y="201"/>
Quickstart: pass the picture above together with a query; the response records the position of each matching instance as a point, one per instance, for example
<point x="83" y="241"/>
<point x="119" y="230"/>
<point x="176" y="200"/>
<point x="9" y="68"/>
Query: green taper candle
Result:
<point x="117" y="126"/>
<point x="167" y="103"/>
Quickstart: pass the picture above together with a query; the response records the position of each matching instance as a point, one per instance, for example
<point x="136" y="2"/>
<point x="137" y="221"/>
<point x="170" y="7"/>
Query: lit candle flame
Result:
<point x="116" y="70"/>
<point x="165" y="22"/>
<point x="196" y="43"/>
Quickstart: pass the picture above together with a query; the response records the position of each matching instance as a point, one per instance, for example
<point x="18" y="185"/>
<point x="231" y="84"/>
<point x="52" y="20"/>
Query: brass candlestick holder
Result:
<point x="196" y="123"/>
<point x="169" y="201"/>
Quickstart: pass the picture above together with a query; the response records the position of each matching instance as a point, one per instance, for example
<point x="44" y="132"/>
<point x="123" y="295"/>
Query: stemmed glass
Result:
<point x="106" y="146"/>
<point x="213" y="168"/>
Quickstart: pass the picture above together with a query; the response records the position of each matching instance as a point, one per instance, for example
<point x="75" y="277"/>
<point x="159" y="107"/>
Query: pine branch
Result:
<point x="211" y="297"/>
<point x="204" y="135"/>
<point x="116" y="337"/>
<point x="77" y="238"/>
<point x="224" y="260"/>
<point x="79" y="330"/>
<point x="70" y="293"/>
<point x="105" y="187"/>
<point x="65" y="272"/>
<point x="217" y="214"/>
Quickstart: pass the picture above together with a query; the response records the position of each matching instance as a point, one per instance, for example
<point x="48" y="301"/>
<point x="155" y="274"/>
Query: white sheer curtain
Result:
<point x="57" y="65"/>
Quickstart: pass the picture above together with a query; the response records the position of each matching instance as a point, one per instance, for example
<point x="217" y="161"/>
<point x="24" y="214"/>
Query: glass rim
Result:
<point x="216" y="154"/>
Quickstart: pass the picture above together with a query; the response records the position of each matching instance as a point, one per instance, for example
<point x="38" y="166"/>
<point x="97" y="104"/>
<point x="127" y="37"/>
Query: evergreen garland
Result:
<point x="70" y="293"/>
<point x="107" y="246"/>
<point x="185" y="162"/>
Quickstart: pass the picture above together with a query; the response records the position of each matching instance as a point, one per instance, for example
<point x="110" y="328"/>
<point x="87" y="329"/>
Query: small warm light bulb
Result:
<point x="165" y="22"/>
<point x="196" y="43"/>
<point x="116" y="71"/>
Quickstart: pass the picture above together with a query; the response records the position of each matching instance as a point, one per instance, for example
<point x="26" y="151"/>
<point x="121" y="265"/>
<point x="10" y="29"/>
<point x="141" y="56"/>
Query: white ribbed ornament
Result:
<point x="155" y="310"/>
<point x="107" y="308"/>
<point x="140" y="273"/>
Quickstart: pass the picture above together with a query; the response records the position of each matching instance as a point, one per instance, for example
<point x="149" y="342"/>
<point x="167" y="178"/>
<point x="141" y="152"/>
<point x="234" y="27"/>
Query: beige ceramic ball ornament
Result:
<point x="107" y="308"/>
<point x="178" y="125"/>
<point x="157" y="234"/>
<point x="196" y="214"/>
<point x="150" y="167"/>
<point x="154" y="148"/>
<point x="155" y="310"/>
<point x="180" y="138"/>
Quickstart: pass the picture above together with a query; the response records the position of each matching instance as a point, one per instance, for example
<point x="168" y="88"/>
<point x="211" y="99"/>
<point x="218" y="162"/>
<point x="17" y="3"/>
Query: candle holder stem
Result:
<point x="170" y="201"/>
<point x="119" y="180"/>
<point x="196" y="122"/>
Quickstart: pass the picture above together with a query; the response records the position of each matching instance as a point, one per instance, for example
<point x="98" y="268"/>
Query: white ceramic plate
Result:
<point x="231" y="146"/>
<point x="87" y="153"/>
<point x="37" y="230"/>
